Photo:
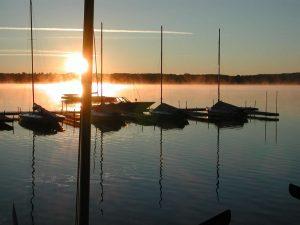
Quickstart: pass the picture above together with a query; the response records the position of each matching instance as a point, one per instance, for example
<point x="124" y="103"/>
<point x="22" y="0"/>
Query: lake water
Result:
<point x="149" y="175"/>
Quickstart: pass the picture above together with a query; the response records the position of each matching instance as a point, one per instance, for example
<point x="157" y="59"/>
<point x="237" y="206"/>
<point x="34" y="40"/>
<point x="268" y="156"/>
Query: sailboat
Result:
<point x="40" y="117"/>
<point x="115" y="106"/>
<point x="164" y="110"/>
<point x="222" y="110"/>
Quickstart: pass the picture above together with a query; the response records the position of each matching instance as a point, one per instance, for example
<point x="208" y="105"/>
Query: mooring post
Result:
<point x="85" y="117"/>
<point x="74" y="117"/>
<point x="266" y="101"/>
<point x="276" y="98"/>
<point x="185" y="104"/>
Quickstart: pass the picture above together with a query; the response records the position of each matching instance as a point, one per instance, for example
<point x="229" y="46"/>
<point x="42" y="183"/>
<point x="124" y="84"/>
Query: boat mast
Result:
<point x="161" y="62"/>
<point x="101" y="72"/>
<point x="219" y="63"/>
<point x="31" y="45"/>
<point x="83" y="191"/>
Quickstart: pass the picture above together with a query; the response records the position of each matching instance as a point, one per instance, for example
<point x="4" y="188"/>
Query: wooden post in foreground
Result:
<point x="85" y="118"/>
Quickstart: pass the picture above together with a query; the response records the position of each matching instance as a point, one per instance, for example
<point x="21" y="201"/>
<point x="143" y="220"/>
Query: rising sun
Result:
<point x="76" y="63"/>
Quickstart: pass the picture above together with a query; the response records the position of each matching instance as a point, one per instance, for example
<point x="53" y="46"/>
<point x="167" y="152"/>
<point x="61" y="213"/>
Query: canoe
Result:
<point x="14" y="215"/>
<point x="220" y="219"/>
<point x="294" y="191"/>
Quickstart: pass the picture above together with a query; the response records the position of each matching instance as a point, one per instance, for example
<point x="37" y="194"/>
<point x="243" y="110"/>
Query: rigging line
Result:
<point x="96" y="64"/>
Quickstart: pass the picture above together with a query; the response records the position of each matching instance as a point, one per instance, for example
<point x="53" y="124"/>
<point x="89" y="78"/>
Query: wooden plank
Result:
<point x="194" y="109"/>
<point x="264" y="113"/>
<point x="262" y="118"/>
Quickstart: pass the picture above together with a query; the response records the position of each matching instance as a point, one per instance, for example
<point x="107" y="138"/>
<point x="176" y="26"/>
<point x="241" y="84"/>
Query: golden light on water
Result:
<point x="76" y="63"/>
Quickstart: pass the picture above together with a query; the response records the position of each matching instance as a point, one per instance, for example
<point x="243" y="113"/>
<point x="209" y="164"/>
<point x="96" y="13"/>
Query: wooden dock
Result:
<point x="72" y="118"/>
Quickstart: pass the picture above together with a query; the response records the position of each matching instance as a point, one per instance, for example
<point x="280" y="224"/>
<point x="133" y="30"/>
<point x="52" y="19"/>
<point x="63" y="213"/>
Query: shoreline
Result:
<point x="151" y="78"/>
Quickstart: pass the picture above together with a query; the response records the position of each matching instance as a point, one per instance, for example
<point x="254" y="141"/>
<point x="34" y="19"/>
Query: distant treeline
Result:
<point x="149" y="78"/>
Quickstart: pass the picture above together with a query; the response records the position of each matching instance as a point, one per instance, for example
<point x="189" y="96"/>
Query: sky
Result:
<point x="257" y="36"/>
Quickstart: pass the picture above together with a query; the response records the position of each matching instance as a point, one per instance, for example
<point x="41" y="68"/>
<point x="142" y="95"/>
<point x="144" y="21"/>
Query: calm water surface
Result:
<point x="149" y="175"/>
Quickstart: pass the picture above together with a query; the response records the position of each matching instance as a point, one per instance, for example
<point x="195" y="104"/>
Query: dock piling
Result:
<point x="276" y="98"/>
<point x="266" y="101"/>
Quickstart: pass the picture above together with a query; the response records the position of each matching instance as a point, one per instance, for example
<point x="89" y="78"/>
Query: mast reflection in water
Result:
<point x="32" y="180"/>
<point x="160" y="170"/>
<point x="218" y="164"/>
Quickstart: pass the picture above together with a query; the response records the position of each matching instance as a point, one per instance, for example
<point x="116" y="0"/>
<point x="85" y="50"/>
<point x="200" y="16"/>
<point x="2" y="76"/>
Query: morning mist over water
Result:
<point x="149" y="112"/>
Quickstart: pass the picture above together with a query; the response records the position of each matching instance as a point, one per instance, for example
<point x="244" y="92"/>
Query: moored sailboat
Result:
<point x="222" y="110"/>
<point x="115" y="106"/>
<point x="164" y="110"/>
<point x="39" y="118"/>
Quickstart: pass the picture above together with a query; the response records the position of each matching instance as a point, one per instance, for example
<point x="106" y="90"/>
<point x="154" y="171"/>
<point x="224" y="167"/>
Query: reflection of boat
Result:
<point x="40" y="117"/>
<point x="172" y="124"/>
<point x="40" y="130"/>
<point x="166" y="123"/>
<point x="105" y="125"/>
<point x="228" y="123"/>
<point x="294" y="191"/>
<point x="220" y="219"/>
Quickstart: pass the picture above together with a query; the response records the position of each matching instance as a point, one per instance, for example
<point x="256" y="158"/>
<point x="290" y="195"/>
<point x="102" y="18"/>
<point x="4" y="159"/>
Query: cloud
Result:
<point x="40" y="53"/>
<point x="36" y="54"/>
<point x="96" y="30"/>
